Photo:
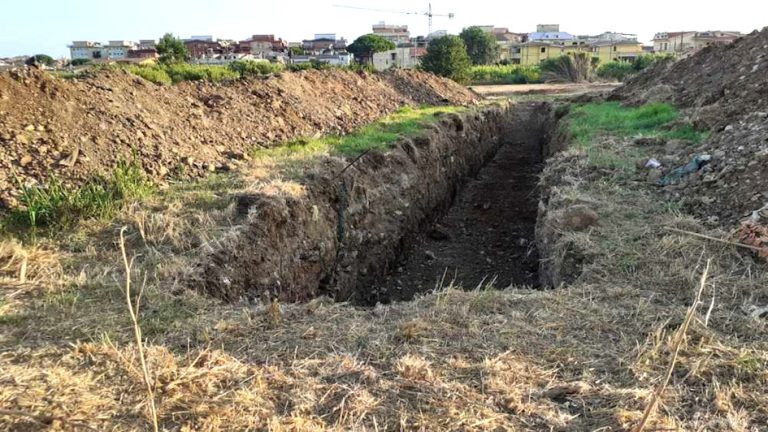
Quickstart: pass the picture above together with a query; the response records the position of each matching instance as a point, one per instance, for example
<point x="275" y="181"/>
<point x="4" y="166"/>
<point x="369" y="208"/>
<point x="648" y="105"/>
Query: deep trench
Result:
<point x="485" y="237"/>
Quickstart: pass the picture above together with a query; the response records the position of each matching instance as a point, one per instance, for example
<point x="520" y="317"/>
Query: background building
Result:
<point x="687" y="42"/>
<point x="397" y="34"/>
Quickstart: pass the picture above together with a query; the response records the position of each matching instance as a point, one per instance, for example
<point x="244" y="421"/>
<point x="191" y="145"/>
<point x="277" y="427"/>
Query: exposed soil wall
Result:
<point x="560" y="212"/>
<point x="75" y="128"/>
<point x="344" y="231"/>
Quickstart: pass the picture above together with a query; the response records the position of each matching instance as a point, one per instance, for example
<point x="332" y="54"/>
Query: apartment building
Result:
<point x="400" y="57"/>
<point x="397" y="34"/>
<point x="113" y="50"/>
<point x="687" y="42"/>
<point x="549" y="42"/>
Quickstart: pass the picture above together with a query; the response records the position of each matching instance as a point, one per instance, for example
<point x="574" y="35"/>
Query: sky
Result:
<point x="48" y="26"/>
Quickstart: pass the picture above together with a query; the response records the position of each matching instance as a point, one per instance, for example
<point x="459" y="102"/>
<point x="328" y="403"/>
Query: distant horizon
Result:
<point x="58" y="24"/>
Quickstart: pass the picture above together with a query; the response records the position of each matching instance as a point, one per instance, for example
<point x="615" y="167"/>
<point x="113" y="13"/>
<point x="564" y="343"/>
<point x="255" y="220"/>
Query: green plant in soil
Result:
<point x="376" y="136"/>
<point x="53" y="204"/>
<point x="652" y="120"/>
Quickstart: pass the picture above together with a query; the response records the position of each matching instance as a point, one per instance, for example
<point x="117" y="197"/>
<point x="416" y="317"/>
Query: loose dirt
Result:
<point x="724" y="90"/>
<point x="73" y="129"/>
<point x="487" y="237"/>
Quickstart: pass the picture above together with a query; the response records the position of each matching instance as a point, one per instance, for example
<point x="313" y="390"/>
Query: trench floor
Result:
<point x="487" y="236"/>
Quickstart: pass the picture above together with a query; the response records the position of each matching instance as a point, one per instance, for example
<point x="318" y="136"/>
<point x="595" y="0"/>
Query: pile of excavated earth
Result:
<point x="722" y="89"/>
<point x="74" y="128"/>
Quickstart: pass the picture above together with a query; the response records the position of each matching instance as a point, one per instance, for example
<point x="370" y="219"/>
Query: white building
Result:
<point x="338" y="59"/>
<point x="114" y="50"/>
<point x="397" y="34"/>
<point x="87" y="50"/>
<point x="119" y="49"/>
<point x="401" y="57"/>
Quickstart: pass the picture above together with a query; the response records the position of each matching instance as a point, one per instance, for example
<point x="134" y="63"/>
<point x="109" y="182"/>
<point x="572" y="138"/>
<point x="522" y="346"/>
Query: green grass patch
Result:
<point x="376" y="136"/>
<point x="590" y="120"/>
<point x="55" y="205"/>
<point x="586" y="123"/>
<point x="505" y="74"/>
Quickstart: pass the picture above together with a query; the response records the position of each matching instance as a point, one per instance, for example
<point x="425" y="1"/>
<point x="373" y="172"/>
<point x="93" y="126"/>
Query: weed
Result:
<point x="98" y="198"/>
<point x="376" y="136"/>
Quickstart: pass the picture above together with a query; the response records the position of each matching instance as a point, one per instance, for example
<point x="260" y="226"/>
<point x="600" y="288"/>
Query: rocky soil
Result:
<point x="75" y="128"/>
<point x="724" y="90"/>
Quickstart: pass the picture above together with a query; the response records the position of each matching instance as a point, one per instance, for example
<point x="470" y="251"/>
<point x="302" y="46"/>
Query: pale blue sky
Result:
<point x="47" y="26"/>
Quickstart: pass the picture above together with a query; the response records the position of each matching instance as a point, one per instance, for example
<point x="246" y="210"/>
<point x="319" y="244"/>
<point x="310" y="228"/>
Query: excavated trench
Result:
<point x="487" y="236"/>
<point x="457" y="204"/>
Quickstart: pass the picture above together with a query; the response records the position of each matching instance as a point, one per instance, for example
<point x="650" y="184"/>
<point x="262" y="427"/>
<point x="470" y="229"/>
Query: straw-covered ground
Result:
<point x="593" y="355"/>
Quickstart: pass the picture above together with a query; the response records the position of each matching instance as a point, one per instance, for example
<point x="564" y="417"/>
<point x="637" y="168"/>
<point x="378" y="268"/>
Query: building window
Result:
<point x="543" y="49"/>
<point x="614" y="48"/>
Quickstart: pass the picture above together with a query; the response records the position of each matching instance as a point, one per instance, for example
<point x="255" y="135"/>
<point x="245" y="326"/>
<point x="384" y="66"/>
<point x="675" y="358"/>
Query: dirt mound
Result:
<point x="74" y="128"/>
<point x="723" y="89"/>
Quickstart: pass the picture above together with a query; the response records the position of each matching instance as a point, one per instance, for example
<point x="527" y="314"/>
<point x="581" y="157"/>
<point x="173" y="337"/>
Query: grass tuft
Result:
<point x="54" y="204"/>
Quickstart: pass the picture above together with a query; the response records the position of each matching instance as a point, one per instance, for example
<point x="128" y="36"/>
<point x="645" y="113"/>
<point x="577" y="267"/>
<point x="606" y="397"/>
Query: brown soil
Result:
<point x="487" y="237"/>
<point x="75" y="128"/>
<point x="722" y="89"/>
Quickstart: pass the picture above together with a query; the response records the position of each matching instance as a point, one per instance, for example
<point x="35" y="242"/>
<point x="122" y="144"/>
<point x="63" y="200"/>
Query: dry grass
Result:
<point x="586" y="357"/>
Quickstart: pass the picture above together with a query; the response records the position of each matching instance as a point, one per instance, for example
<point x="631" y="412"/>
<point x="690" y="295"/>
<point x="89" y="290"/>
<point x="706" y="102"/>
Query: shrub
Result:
<point x="617" y="70"/>
<point x="447" y="56"/>
<point x="505" y="74"/>
<point x="572" y="68"/>
<point x="155" y="74"/>
<point x="42" y="59"/>
<point x="297" y="67"/>
<point x="312" y="64"/>
<point x="246" y="68"/>
<point x="186" y="72"/>
<point x="621" y="70"/>
<point x="80" y="62"/>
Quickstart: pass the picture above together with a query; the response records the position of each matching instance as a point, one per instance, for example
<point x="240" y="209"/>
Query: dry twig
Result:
<point x="134" y="311"/>
<point x="678" y="341"/>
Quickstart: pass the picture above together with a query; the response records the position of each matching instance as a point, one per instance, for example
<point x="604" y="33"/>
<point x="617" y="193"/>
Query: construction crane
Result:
<point x="428" y="13"/>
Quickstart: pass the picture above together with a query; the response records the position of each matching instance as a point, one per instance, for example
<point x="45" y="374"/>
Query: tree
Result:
<point x="366" y="46"/>
<point x="447" y="56"/>
<point x="40" y="59"/>
<point x="481" y="45"/>
<point x="171" y="49"/>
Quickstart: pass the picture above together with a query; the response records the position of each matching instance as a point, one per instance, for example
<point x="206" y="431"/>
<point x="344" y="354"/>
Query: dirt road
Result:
<point x="553" y="89"/>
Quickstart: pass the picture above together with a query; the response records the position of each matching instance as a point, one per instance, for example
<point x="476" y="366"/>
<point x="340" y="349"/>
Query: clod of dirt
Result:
<point x="576" y="218"/>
